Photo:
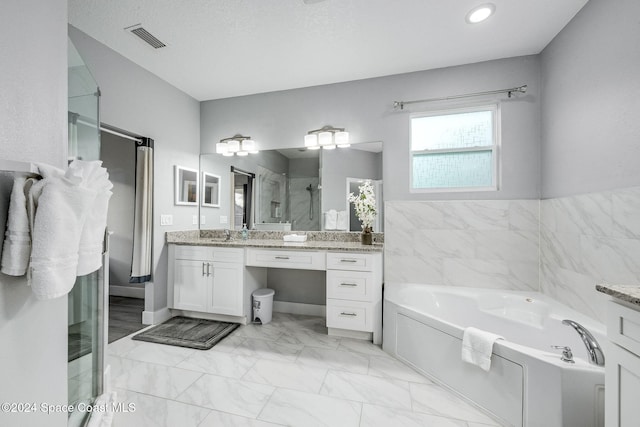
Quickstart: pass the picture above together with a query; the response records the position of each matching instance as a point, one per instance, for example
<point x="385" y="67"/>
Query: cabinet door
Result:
<point x="225" y="296"/>
<point x="622" y="387"/>
<point x="190" y="285"/>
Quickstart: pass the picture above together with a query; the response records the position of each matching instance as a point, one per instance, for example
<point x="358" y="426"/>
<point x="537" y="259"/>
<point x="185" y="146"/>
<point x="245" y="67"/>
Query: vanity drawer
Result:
<point x="275" y="258"/>
<point x="353" y="315"/>
<point x="623" y="326"/>
<point x="350" y="285"/>
<point x="350" y="261"/>
<point x="208" y="253"/>
<point x="192" y="252"/>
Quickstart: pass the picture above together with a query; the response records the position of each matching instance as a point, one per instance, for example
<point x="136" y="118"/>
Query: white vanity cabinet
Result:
<point x="622" y="386"/>
<point x="206" y="279"/>
<point x="354" y="294"/>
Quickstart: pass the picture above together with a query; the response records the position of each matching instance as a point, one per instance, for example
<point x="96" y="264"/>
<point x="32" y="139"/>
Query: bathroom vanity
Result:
<point x="214" y="278"/>
<point x="622" y="386"/>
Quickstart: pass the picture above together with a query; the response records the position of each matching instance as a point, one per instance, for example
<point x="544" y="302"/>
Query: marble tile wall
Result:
<point x="586" y="240"/>
<point x="561" y="247"/>
<point x="299" y="203"/>
<point x="485" y="244"/>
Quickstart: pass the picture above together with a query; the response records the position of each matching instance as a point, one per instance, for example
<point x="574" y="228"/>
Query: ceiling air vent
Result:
<point x="145" y="35"/>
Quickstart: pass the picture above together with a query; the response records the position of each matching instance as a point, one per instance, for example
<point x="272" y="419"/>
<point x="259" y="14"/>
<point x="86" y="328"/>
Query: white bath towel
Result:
<point x="90" y="248"/>
<point x="477" y="346"/>
<point x="17" y="240"/>
<point x="62" y="208"/>
<point x="342" y="220"/>
<point x="330" y="219"/>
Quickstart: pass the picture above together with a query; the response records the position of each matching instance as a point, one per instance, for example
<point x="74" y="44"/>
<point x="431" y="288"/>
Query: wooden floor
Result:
<point x="125" y="316"/>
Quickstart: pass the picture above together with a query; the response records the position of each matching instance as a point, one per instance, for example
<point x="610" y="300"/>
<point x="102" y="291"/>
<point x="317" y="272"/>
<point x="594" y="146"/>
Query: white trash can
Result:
<point x="263" y="305"/>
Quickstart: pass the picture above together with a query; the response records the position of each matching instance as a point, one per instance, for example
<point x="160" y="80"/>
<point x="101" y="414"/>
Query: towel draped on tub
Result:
<point x="477" y="346"/>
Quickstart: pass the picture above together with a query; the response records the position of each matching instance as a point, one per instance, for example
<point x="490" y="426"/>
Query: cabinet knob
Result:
<point x="348" y="260"/>
<point x="282" y="257"/>
<point x="349" y="284"/>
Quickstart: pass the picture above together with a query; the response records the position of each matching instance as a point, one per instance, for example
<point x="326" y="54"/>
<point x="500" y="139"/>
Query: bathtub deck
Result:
<point x="288" y="372"/>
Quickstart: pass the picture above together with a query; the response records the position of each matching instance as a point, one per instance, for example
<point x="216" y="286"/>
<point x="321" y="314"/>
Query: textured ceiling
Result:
<point x="224" y="48"/>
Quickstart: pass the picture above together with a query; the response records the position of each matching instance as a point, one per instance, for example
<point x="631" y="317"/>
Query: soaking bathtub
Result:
<point x="528" y="385"/>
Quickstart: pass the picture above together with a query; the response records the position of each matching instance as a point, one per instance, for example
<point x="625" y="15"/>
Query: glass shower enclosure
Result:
<point x="87" y="300"/>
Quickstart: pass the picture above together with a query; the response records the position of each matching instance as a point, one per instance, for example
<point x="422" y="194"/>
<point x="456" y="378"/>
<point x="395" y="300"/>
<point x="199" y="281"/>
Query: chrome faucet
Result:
<point x="596" y="356"/>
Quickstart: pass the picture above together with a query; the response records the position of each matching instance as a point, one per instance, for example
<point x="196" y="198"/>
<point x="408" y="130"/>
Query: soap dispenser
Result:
<point x="245" y="232"/>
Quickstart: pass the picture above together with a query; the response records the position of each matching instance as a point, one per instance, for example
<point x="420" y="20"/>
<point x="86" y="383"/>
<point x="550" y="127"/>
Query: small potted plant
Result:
<point x="365" y="206"/>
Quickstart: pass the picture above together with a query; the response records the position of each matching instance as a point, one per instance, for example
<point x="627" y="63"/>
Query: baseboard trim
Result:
<point x="358" y="335"/>
<point x="300" y="308"/>
<point x="155" y="317"/>
<point x="127" y="291"/>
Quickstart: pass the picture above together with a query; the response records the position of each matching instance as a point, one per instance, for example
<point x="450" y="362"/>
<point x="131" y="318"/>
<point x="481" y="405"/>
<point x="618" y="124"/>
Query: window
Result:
<point x="455" y="150"/>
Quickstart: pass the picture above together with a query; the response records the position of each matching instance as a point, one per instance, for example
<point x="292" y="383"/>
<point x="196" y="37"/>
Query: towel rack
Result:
<point x="17" y="166"/>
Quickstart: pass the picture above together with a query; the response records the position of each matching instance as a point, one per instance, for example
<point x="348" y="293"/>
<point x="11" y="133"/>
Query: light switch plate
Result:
<point x="223" y="219"/>
<point x="166" y="219"/>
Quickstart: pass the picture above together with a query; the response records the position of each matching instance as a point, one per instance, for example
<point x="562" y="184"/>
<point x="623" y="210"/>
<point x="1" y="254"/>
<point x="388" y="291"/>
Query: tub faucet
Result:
<point x="596" y="356"/>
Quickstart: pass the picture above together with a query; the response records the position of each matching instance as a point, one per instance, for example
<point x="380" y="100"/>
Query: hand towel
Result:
<point x="62" y="208"/>
<point x="342" y="220"/>
<point x="330" y="219"/>
<point x="17" y="242"/>
<point x="477" y="346"/>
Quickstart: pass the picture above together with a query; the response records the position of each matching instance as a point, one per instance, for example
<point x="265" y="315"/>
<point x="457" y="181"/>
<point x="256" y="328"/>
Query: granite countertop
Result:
<point x="185" y="238"/>
<point x="628" y="293"/>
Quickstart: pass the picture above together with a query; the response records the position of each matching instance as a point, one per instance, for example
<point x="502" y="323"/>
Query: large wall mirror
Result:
<point x="293" y="189"/>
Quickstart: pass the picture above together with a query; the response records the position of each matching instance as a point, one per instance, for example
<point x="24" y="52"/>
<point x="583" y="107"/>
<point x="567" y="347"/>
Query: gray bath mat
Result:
<point x="187" y="332"/>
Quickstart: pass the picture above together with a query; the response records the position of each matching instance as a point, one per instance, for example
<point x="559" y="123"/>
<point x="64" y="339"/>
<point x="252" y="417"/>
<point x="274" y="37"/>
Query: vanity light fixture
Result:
<point x="327" y="137"/>
<point x="480" y="13"/>
<point x="237" y="145"/>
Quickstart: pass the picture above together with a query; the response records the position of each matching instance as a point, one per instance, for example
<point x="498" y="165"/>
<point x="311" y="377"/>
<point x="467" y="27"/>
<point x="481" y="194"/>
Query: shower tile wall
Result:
<point x="589" y="239"/>
<point x="299" y="200"/>
<point x="485" y="244"/>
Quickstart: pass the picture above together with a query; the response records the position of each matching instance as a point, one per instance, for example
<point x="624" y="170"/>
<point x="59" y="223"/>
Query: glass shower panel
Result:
<point x="86" y="315"/>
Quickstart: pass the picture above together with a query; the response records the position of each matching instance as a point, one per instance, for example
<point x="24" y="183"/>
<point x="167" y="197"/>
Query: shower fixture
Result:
<point x="310" y="190"/>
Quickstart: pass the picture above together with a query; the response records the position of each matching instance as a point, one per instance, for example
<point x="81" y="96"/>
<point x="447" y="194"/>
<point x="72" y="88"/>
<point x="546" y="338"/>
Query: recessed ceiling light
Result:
<point x="480" y="13"/>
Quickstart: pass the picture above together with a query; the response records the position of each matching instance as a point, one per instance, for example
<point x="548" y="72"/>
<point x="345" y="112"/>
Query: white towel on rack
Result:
<point x="342" y="220"/>
<point x="62" y="209"/>
<point x="330" y="219"/>
<point x="17" y="241"/>
<point x="64" y="202"/>
<point x="92" y="237"/>
<point x="477" y="346"/>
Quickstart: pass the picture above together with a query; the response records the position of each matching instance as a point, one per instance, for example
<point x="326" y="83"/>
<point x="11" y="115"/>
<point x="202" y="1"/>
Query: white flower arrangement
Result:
<point x="365" y="205"/>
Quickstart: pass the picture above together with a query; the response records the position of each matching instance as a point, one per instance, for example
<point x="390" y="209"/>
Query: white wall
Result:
<point x="590" y="103"/>
<point x="33" y="127"/>
<point x="365" y="109"/>
<point x="590" y="128"/>
<point x="135" y="100"/>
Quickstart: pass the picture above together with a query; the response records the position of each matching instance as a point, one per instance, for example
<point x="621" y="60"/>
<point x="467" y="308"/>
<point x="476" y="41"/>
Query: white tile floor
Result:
<point x="288" y="372"/>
